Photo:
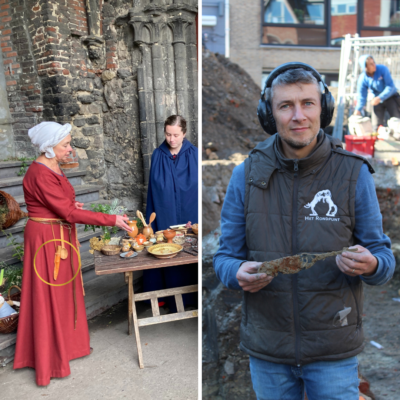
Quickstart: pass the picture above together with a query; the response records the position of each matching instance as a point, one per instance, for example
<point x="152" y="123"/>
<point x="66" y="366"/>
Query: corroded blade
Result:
<point x="294" y="264"/>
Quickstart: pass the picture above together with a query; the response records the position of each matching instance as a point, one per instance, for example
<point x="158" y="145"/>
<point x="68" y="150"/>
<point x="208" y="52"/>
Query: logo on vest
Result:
<point x="323" y="196"/>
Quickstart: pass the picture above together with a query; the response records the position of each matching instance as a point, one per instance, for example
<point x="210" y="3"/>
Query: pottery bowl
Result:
<point x="169" y="234"/>
<point x="138" y="248"/>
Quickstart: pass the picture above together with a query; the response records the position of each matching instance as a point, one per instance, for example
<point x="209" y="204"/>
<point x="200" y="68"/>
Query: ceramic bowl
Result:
<point x="138" y="248"/>
<point x="147" y="244"/>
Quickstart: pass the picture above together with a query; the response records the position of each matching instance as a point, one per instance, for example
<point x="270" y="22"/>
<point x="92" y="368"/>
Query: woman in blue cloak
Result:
<point x="173" y="196"/>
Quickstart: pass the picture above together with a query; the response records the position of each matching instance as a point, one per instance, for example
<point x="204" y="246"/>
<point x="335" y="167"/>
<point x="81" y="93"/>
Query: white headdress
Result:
<point x="48" y="134"/>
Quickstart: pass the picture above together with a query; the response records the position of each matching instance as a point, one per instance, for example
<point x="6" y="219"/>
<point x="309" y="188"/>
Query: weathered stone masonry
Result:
<point x="113" y="69"/>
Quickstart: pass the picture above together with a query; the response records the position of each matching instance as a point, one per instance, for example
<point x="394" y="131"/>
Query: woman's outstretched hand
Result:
<point x="78" y="205"/>
<point x="121" y="223"/>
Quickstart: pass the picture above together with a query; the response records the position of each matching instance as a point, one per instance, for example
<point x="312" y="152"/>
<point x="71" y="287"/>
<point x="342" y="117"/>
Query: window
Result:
<point x="294" y="11"/>
<point x="382" y="14"/>
<point x="313" y="23"/>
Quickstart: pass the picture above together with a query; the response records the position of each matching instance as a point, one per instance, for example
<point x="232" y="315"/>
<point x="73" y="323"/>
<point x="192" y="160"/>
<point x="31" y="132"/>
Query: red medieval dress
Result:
<point x="47" y="338"/>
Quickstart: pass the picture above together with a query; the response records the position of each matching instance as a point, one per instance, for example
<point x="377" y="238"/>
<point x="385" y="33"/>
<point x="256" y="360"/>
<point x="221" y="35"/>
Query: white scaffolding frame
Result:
<point x="384" y="49"/>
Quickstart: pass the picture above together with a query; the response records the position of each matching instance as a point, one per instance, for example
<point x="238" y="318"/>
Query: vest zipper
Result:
<point x="294" y="252"/>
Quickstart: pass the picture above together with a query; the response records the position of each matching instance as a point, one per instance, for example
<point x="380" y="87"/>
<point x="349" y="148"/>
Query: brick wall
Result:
<point x="343" y="24"/>
<point x="23" y="86"/>
<point x="372" y="13"/>
<point x="77" y="17"/>
<point x="246" y="49"/>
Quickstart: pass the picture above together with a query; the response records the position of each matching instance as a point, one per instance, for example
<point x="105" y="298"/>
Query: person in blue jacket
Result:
<point x="173" y="195"/>
<point x="377" y="78"/>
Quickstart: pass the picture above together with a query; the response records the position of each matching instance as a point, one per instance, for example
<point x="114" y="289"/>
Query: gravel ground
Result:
<point x="382" y="325"/>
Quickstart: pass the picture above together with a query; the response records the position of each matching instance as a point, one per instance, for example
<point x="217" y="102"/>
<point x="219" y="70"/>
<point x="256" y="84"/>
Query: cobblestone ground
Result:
<point x="382" y="325"/>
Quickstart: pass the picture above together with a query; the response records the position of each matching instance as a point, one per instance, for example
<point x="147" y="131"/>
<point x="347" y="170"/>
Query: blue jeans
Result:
<point x="333" y="380"/>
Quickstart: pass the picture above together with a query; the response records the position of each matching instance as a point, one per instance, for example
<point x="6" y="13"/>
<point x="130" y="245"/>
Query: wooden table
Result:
<point x="115" y="264"/>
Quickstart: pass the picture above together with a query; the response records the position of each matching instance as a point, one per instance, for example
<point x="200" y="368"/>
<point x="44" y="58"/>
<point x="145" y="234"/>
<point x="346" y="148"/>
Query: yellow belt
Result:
<point x="63" y="223"/>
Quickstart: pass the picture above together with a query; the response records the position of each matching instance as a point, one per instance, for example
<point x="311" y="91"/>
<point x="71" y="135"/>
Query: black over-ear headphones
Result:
<point x="264" y="109"/>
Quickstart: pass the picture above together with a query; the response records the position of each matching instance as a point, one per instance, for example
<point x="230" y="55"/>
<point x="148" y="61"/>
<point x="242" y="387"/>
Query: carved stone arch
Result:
<point x="166" y="34"/>
<point x="189" y="32"/>
<point x="146" y="33"/>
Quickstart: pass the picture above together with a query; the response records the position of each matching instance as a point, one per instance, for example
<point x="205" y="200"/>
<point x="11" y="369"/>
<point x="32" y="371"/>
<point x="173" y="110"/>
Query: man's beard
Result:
<point x="294" y="144"/>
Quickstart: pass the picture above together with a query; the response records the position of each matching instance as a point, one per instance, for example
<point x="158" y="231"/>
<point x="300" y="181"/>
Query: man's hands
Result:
<point x="360" y="263"/>
<point x="357" y="112"/>
<point x="249" y="279"/>
<point x="375" y="101"/>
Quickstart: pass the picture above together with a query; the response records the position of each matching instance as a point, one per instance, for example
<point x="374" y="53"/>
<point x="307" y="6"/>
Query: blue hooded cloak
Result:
<point x="173" y="186"/>
<point x="173" y="196"/>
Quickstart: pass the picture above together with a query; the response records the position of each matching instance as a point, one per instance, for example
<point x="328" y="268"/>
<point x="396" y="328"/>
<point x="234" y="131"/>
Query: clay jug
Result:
<point x="140" y="239"/>
<point x="147" y="231"/>
<point x="135" y="229"/>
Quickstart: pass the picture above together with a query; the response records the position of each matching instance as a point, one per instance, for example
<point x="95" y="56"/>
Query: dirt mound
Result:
<point x="230" y="99"/>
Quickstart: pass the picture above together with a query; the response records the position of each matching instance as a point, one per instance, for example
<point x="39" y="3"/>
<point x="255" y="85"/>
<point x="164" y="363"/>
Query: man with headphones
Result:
<point x="300" y="192"/>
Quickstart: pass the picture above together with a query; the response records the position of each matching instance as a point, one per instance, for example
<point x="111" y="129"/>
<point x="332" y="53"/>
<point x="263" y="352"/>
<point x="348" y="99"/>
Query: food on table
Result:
<point x="195" y="229"/>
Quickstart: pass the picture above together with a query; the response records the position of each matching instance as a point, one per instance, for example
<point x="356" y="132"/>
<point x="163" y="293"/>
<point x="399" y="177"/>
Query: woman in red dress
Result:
<point x="52" y="324"/>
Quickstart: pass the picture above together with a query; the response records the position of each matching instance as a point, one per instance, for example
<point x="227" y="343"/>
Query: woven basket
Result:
<point x="14" y="212"/>
<point x="111" y="250"/>
<point x="10" y="323"/>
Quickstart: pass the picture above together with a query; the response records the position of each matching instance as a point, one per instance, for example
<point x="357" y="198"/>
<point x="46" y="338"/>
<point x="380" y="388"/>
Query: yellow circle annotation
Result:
<point x="57" y="284"/>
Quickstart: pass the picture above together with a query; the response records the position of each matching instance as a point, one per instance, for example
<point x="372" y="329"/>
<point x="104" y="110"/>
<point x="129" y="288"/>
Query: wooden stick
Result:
<point x="130" y="297"/>
<point x="168" y="318"/>
<point x="166" y="292"/>
<point x="135" y="321"/>
<point x="179" y="303"/>
<point x="154" y="307"/>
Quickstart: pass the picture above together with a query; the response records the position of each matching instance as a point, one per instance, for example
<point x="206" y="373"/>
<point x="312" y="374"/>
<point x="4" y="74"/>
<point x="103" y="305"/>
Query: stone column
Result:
<point x="145" y="91"/>
<point x="164" y="31"/>
<point x="181" y="79"/>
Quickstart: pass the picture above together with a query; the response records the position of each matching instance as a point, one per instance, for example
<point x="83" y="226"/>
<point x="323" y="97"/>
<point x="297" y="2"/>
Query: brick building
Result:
<point x="267" y="33"/>
<point x="114" y="69"/>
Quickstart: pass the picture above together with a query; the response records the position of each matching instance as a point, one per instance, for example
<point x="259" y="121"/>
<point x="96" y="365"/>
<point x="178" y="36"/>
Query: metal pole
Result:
<point x="227" y="30"/>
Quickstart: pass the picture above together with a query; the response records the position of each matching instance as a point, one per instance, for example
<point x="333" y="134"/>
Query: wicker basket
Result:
<point x="195" y="229"/>
<point x="14" y="211"/>
<point x="10" y="323"/>
<point x="111" y="250"/>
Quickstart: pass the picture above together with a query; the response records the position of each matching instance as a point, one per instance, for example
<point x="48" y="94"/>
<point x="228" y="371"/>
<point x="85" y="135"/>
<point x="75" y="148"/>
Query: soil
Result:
<point x="381" y="321"/>
<point x="230" y="99"/>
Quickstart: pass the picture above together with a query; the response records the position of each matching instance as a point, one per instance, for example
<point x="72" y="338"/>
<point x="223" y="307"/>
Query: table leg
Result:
<point x="135" y="320"/>
<point x="129" y="275"/>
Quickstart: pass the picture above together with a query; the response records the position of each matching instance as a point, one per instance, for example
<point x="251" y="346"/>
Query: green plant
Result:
<point x="12" y="273"/>
<point x="18" y="247"/>
<point x="139" y="223"/>
<point x="12" y="276"/>
<point x="24" y="165"/>
<point x="110" y="209"/>
<point x="3" y="214"/>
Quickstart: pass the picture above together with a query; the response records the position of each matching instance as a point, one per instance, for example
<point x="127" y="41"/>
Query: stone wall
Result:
<point x="114" y="69"/>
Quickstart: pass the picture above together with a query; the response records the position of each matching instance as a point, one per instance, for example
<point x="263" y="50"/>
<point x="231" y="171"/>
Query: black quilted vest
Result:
<point x="295" y="206"/>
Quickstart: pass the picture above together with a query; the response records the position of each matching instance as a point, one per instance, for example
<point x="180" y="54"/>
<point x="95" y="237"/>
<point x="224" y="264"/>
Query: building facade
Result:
<point x="113" y="69"/>
<point x="267" y="33"/>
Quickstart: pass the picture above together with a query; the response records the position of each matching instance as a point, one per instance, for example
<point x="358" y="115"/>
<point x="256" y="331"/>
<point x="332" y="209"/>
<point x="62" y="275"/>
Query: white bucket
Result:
<point x="360" y="126"/>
